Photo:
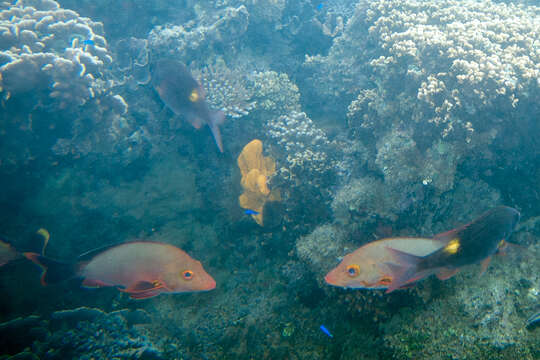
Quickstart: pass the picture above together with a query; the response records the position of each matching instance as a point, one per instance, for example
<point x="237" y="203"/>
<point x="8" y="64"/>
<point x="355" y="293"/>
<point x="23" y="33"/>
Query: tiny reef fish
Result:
<point x="142" y="269"/>
<point x="184" y="96"/>
<point x="251" y="212"/>
<point x="367" y="267"/>
<point x="88" y="42"/>
<point x="469" y="244"/>
<point x="326" y="331"/>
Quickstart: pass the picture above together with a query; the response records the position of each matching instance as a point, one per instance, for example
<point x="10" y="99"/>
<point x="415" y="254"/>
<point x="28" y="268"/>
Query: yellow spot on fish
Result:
<point x="194" y="96"/>
<point x="502" y="244"/>
<point x="156" y="283"/>
<point x="452" y="247"/>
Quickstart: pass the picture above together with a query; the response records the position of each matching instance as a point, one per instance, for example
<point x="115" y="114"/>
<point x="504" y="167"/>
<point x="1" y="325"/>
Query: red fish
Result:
<point x="142" y="269"/>
<point x="367" y="267"/>
<point x="469" y="244"/>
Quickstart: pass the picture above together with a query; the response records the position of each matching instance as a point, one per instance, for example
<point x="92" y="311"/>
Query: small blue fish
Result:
<point x="535" y="318"/>
<point x="88" y="42"/>
<point x="326" y="331"/>
<point x="320" y="6"/>
<point x="251" y="212"/>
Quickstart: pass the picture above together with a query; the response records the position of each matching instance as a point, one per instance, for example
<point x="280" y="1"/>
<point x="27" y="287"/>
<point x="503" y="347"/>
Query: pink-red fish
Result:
<point x="142" y="269"/>
<point x="468" y="244"/>
<point x="367" y="267"/>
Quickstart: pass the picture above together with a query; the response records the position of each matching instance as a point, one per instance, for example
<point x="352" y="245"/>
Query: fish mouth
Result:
<point x="211" y="285"/>
<point x="329" y="280"/>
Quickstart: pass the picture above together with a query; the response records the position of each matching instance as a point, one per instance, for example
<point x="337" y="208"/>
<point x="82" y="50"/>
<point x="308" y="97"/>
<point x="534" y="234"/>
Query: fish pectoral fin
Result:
<point x="446" y="273"/>
<point x="145" y="294"/>
<point x="485" y="264"/>
<point x="194" y="120"/>
<point x="143" y="286"/>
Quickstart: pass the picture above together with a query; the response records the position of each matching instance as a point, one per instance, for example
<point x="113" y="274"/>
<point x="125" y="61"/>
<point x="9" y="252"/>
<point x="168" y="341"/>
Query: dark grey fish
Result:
<point x="184" y="96"/>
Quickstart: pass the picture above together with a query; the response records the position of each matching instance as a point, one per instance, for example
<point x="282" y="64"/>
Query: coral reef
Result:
<point x="56" y="87"/>
<point x="199" y="37"/>
<point x="465" y="61"/>
<point x="309" y="155"/>
<point x="379" y="118"/>
<point x="131" y="59"/>
<point x="322" y="248"/>
<point x="455" y="57"/>
<point x="167" y="192"/>
<point x="45" y="52"/>
<point x="256" y="170"/>
<point x="403" y="165"/>
<point x="83" y="333"/>
<point x="274" y="93"/>
<point x="424" y="93"/>
<point x="226" y="88"/>
<point x="363" y="200"/>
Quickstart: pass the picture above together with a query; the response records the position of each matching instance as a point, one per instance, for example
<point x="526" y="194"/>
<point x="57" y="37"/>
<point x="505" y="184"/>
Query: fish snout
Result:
<point x="210" y="284"/>
<point x="331" y="278"/>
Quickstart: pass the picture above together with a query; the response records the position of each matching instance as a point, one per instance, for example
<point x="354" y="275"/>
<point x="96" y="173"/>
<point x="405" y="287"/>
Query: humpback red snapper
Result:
<point x="142" y="269"/>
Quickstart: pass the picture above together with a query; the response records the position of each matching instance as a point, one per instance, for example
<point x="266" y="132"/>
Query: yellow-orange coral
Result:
<point x="256" y="169"/>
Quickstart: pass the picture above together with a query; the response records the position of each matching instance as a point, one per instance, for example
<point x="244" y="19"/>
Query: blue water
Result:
<point x="377" y="119"/>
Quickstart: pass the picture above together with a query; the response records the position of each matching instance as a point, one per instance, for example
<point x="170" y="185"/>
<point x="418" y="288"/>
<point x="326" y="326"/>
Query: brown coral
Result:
<point x="256" y="169"/>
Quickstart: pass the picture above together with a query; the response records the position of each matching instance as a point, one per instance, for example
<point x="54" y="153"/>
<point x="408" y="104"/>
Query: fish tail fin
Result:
<point x="406" y="270"/>
<point x="217" y="118"/>
<point x="53" y="271"/>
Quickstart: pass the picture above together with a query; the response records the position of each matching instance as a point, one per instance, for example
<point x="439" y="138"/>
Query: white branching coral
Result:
<point x="307" y="151"/>
<point x="444" y="62"/>
<point x="470" y="54"/>
<point x="53" y="52"/>
<point x="194" y="37"/>
<point x="226" y="88"/>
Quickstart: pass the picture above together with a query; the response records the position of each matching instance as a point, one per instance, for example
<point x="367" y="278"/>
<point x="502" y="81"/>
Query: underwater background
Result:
<point x="381" y="118"/>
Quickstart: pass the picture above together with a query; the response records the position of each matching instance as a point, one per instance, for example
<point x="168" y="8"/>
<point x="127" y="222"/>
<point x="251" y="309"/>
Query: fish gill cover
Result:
<point x="385" y="118"/>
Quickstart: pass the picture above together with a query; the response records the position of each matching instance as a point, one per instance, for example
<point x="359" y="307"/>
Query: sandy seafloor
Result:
<point x="383" y="118"/>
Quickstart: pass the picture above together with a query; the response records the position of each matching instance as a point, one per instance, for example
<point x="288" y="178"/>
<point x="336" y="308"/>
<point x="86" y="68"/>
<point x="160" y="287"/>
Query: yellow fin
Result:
<point x="46" y="236"/>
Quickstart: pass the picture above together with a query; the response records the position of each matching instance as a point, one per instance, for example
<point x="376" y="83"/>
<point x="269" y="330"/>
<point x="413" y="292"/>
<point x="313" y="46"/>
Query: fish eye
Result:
<point x="353" y="270"/>
<point x="194" y="96"/>
<point x="187" y="275"/>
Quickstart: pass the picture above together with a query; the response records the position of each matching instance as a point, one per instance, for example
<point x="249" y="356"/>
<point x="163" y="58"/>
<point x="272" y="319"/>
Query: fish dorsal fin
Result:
<point x="90" y="254"/>
<point x="447" y="235"/>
